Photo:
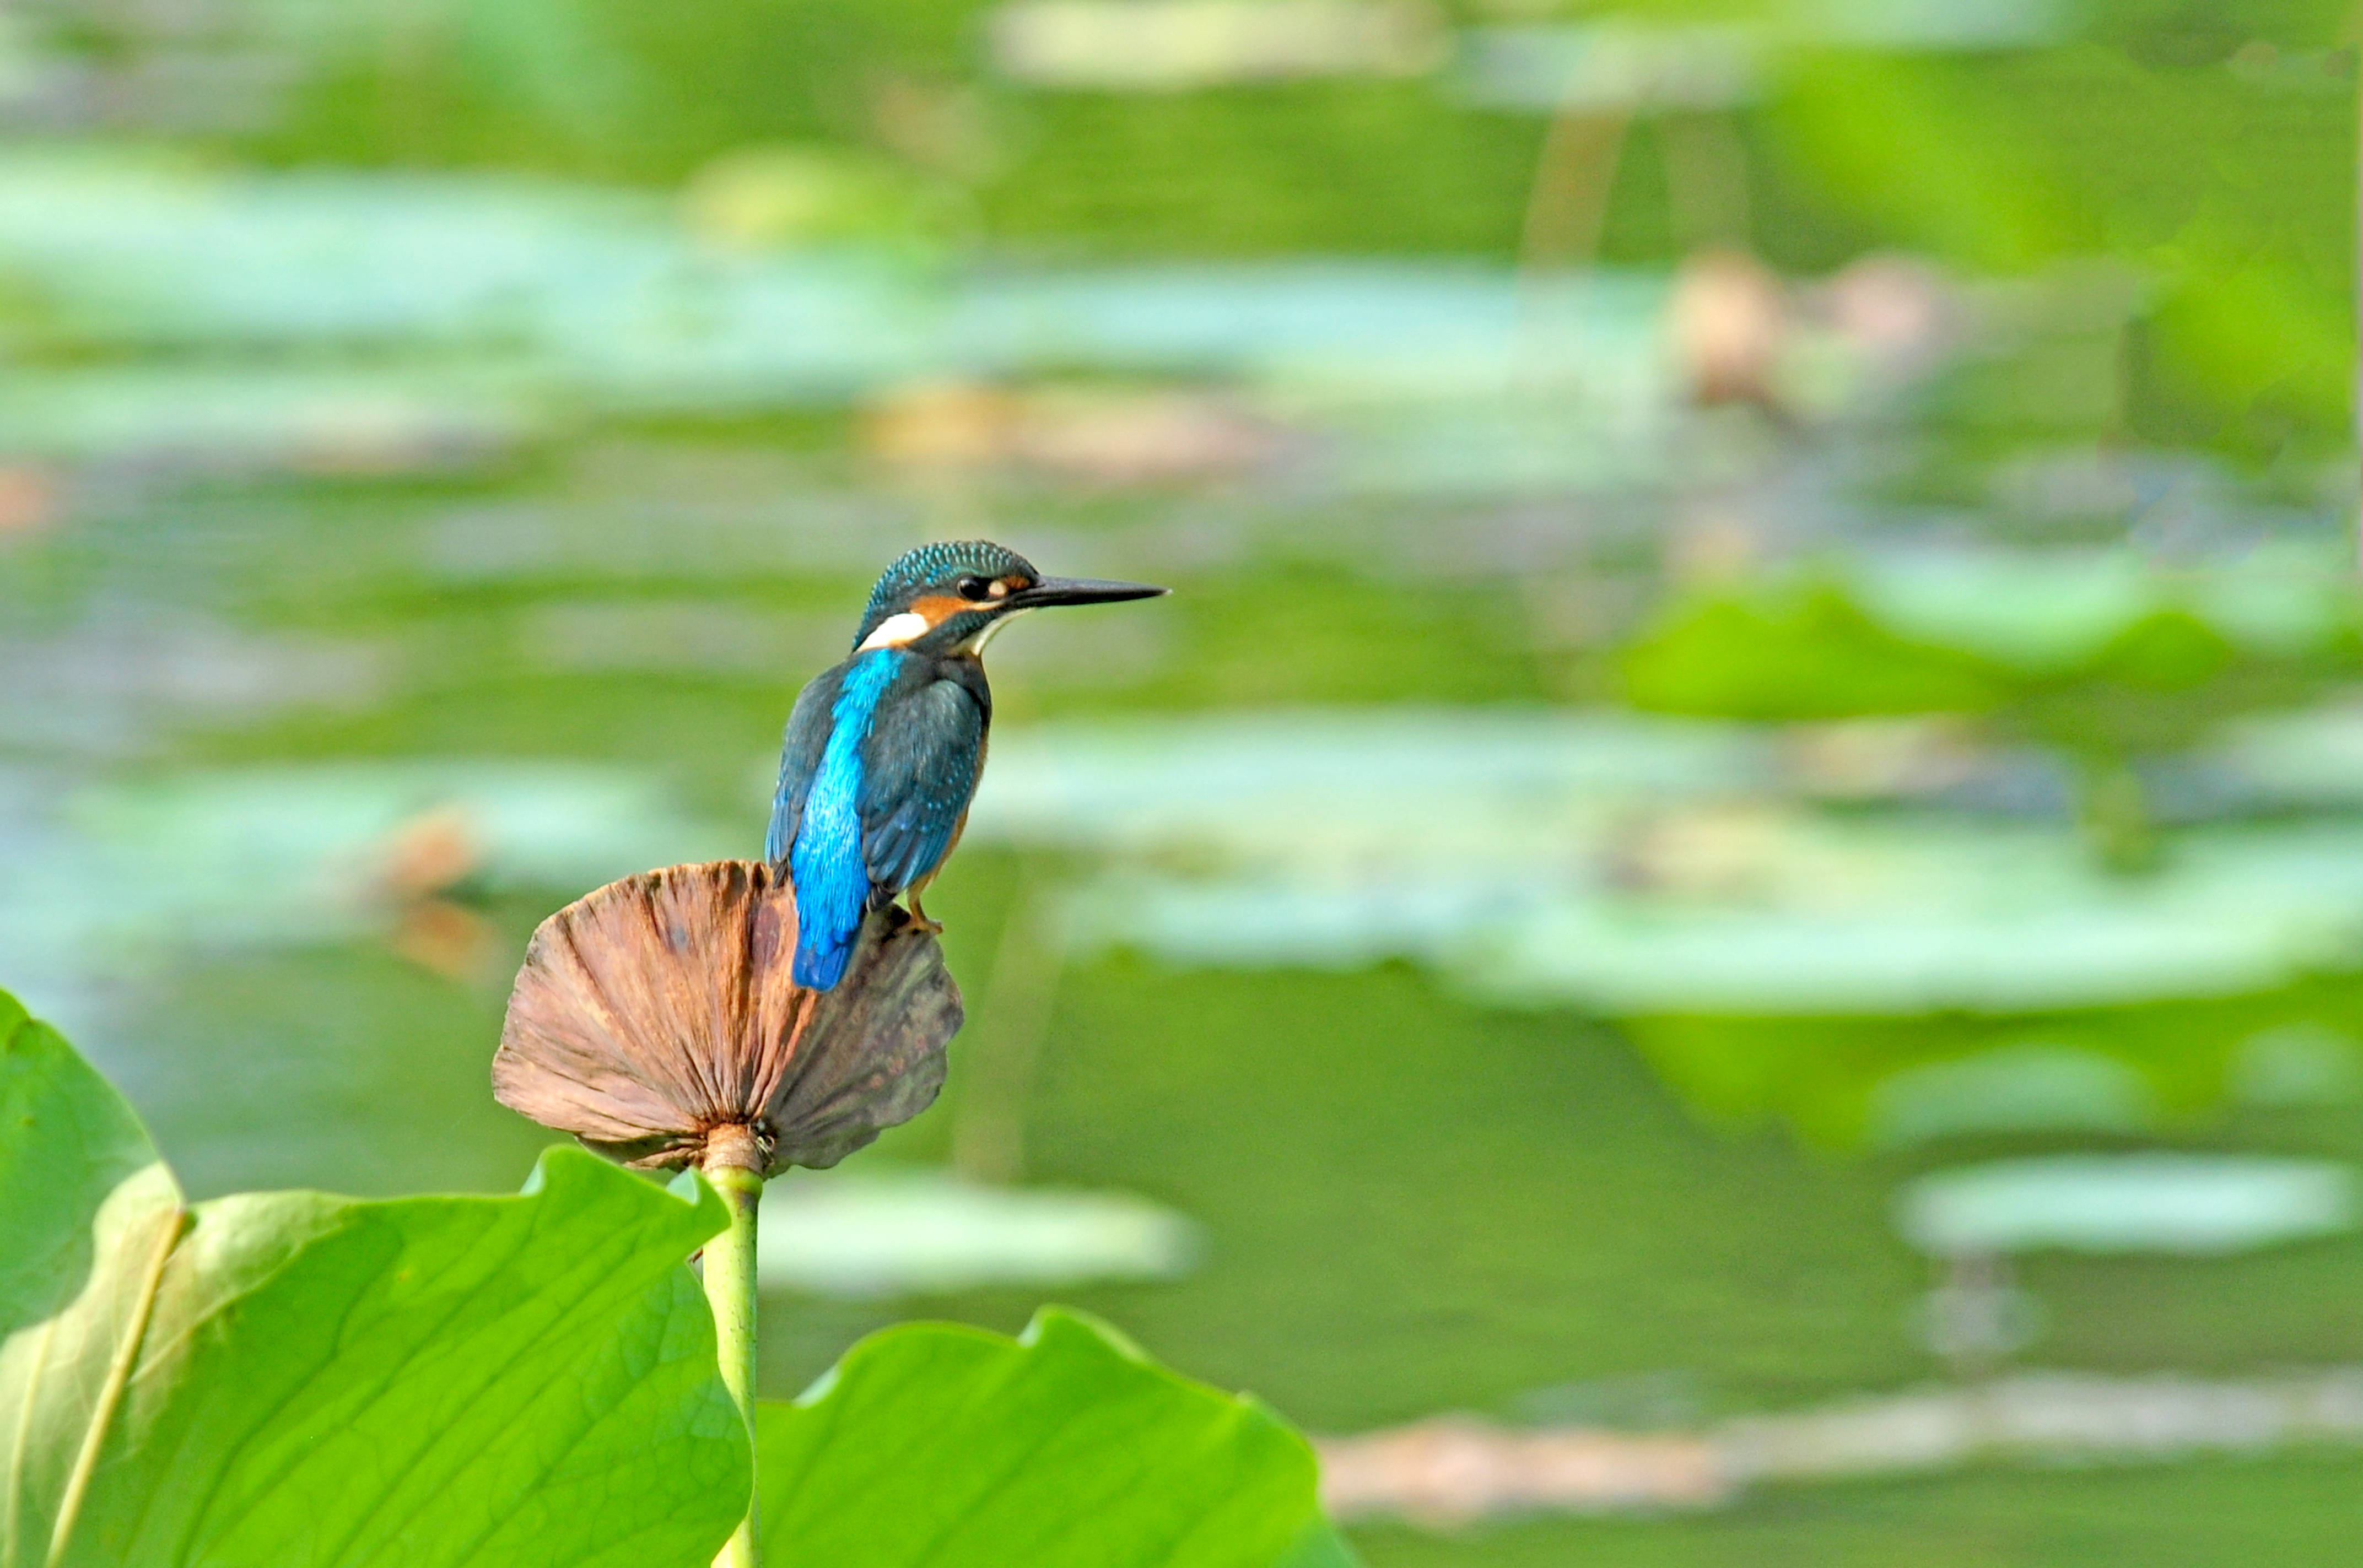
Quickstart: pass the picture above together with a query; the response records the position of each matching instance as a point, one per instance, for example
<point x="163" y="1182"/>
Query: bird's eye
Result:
<point x="971" y="588"/>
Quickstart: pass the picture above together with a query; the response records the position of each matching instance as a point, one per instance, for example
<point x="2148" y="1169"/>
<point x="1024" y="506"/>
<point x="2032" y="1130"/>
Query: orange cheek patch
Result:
<point x="939" y="608"/>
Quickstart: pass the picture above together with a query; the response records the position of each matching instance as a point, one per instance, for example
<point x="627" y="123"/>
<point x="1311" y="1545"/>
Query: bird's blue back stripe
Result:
<point x="832" y="879"/>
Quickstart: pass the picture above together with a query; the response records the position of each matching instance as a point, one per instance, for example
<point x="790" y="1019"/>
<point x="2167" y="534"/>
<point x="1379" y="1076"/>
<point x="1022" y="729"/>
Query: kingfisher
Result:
<point x="884" y="751"/>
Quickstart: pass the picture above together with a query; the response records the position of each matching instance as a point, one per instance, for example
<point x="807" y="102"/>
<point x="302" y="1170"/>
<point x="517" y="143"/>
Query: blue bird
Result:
<point x="884" y="751"/>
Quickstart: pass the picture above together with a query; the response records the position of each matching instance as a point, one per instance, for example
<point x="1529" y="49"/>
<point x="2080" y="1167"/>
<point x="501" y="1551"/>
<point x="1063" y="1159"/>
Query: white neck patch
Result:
<point x="976" y="644"/>
<point x="896" y="630"/>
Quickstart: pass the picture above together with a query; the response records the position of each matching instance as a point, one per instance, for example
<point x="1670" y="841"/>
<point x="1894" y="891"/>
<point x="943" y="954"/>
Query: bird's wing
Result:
<point x="918" y="769"/>
<point x="800" y="755"/>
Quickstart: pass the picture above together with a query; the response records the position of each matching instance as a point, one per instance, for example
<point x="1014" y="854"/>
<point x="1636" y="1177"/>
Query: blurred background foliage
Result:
<point x="1852" y="126"/>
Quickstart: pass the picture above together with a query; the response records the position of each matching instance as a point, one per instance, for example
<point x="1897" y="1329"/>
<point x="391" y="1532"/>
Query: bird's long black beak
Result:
<point x="1079" y="590"/>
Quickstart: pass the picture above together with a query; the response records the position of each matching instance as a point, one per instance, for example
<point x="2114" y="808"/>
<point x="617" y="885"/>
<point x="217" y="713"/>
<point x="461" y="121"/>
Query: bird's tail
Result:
<point x="831" y="899"/>
<point x="820" y="956"/>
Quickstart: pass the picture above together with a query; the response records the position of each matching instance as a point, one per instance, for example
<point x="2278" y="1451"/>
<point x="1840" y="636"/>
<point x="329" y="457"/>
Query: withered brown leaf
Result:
<point x="658" y="1011"/>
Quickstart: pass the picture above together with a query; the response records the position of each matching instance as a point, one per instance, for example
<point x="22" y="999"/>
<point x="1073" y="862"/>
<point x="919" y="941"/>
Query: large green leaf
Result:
<point x="62" y="1150"/>
<point x="291" y="1379"/>
<point x="1065" y="1448"/>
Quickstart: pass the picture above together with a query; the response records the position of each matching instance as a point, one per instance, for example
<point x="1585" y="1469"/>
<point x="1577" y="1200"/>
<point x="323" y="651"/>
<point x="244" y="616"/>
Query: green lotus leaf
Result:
<point x="288" y="1379"/>
<point x="1065" y="1448"/>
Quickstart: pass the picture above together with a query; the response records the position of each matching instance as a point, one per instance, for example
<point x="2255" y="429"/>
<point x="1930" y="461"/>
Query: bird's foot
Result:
<point x="919" y="922"/>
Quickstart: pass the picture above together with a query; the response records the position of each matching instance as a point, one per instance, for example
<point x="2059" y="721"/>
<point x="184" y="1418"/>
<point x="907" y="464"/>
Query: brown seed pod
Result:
<point x="656" y="1014"/>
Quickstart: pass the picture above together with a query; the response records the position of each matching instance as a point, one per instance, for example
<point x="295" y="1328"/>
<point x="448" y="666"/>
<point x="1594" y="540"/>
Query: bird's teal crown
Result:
<point x="936" y="568"/>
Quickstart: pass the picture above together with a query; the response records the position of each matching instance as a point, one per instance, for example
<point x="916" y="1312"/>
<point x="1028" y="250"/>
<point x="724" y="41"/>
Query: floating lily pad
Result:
<point x="2128" y="1203"/>
<point x="2028" y="1086"/>
<point x="299" y="854"/>
<point x="1772" y="914"/>
<point x="1406" y="784"/>
<point x="917" y="1233"/>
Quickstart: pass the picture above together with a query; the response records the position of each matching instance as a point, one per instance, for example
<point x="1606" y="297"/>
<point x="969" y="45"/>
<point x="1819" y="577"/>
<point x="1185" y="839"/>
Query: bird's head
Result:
<point x="952" y="597"/>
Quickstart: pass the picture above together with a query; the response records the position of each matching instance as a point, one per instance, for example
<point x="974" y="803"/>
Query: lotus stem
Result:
<point x="734" y="1166"/>
<point x="658" y="1020"/>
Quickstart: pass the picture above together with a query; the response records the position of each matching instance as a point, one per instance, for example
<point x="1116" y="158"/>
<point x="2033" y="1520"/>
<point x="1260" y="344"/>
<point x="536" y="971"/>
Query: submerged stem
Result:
<point x="730" y="1288"/>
